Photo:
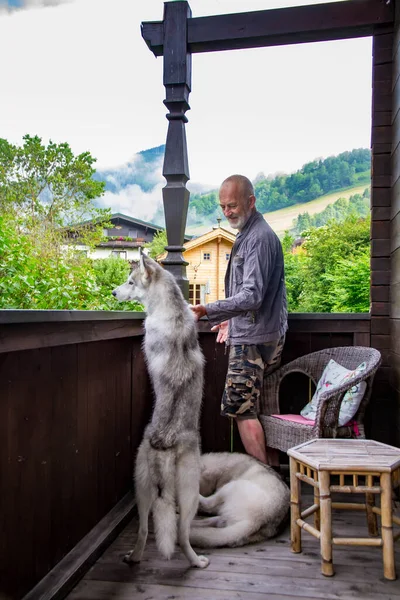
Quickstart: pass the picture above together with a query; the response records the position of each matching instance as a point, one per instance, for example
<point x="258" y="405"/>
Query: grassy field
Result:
<point x="282" y="219"/>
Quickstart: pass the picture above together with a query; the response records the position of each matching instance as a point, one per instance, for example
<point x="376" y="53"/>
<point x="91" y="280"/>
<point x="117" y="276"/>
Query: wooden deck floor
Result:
<point x="259" y="571"/>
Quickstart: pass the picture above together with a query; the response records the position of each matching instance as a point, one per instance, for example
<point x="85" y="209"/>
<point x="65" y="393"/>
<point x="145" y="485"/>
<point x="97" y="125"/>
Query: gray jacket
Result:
<point x="254" y="287"/>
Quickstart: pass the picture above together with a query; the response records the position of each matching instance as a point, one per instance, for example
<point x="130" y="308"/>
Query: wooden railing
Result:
<point x="74" y="400"/>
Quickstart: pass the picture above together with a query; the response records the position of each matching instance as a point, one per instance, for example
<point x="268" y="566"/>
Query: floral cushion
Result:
<point x="334" y="375"/>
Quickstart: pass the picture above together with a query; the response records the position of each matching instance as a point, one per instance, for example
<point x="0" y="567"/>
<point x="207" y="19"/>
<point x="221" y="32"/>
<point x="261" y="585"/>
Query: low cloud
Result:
<point x="134" y="202"/>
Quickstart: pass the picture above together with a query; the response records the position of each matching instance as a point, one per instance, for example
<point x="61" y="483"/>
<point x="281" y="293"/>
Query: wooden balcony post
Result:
<point x="177" y="82"/>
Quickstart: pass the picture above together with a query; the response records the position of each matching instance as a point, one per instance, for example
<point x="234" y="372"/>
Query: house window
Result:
<point x="132" y="233"/>
<point x="206" y="256"/>
<point x="81" y="253"/>
<point x="197" y="293"/>
<point x="227" y="255"/>
<point x="119" y="254"/>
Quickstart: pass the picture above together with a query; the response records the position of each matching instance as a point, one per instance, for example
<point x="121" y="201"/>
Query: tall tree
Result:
<point x="49" y="188"/>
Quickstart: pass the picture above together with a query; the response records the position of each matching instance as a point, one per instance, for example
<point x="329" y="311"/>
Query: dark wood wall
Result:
<point x="395" y="225"/>
<point x="74" y="401"/>
<point x="381" y="191"/>
<point x="67" y="436"/>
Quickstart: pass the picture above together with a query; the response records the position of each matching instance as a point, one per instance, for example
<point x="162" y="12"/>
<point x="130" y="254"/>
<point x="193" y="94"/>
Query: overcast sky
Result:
<point x="78" y="71"/>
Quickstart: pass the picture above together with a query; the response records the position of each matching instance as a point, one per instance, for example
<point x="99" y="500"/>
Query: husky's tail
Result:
<point x="164" y="507"/>
<point x="237" y="534"/>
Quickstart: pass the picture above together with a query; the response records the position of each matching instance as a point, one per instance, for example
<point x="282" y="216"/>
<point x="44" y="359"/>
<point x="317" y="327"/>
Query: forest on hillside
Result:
<point x="314" y="179"/>
<point x="357" y="205"/>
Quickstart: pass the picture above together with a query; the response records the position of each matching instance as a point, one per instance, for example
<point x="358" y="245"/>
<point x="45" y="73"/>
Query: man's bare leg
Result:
<point x="253" y="438"/>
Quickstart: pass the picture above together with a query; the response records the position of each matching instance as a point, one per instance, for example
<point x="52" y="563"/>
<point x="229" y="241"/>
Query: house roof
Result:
<point x="216" y="232"/>
<point x="122" y="217"/>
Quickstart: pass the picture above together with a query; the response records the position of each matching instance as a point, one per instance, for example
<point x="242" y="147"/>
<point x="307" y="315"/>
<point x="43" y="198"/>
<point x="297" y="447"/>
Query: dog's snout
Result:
<point x="114" y="293"/>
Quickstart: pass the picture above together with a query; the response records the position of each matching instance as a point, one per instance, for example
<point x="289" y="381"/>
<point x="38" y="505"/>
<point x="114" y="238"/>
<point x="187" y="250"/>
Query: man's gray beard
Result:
<point x="241" y="222"/>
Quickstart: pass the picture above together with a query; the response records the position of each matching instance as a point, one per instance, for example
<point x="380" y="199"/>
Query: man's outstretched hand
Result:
<point x="199" y="311"/>
<point x="222" y="329"/>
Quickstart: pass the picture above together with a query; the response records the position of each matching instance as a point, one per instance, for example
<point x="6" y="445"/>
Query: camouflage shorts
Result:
<point x="247" y="367"/>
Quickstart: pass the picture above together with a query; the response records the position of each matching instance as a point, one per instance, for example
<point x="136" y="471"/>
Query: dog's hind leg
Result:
<point x="145" y="496"/>
<point x="144" y="506"/>
<point x="187" y="498"/>
<point x="209" y="522"/>
<point x="210" y="504"/>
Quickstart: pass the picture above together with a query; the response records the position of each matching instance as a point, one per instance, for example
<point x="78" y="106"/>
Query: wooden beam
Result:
<point x="66" y="574"/>
<point x="294" y="25"/>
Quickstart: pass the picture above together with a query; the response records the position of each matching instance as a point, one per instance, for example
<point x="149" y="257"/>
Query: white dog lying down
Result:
<point x="250" y="501"/>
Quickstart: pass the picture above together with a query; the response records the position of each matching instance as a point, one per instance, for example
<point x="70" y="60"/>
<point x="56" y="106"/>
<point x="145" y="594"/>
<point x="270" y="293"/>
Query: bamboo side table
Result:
<point x="360" y="466"/>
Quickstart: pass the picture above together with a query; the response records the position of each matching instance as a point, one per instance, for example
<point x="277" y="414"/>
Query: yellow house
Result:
<point x="208" y="257"/>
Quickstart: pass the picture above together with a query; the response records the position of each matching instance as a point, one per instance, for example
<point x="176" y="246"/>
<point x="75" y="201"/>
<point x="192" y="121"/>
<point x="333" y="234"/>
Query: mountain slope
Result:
<point x="281" y="220"/>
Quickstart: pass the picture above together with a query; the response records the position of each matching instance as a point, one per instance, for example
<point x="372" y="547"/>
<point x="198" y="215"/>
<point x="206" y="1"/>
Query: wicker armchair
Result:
<point x="284" y="434"/>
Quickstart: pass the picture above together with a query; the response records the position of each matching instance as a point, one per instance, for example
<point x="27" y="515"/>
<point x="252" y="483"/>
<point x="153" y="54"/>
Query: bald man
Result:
<point x="252" y="319"/>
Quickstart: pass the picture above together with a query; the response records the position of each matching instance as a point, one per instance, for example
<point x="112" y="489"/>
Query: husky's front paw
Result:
<point x="131" y="558"/>
<point x="160" y="440"/>
<point x="202" y="562"/>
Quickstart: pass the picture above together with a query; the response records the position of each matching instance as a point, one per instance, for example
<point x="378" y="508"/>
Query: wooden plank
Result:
<point x="141" y="397"/>
<point x="395" y="370"/>
<point x="271" y="581"/>
<point x="380" y="247"/>
<point x="395" y="332"/>
<point x="381" y="135"/>
<point x="380" y="196"/>
<point x="382" y="118"/>
<point x="395" y="165"/>
<point x="123" y="407"/>
<point x="215" y="430"/>
<point x="381" y="181"/>
<point x="395" y="205"/>
<point x="395" y="127"/>
<point x="380" y="341"/>
<point x="381" y="164"/>
<point x="382" y="73"/>
<point x="380" y="213"/>
<point x="395" y="301"/>
<point x="382" y="375"/>
<point x="380" y="293"/>
<point x="380" y="325"/>
<point x="64" y="445"/>
<point x="277" y="26"/>
<point x="395" y="239"/>
<point x="381" y="100"/>
<point x="26" y="472"/>
<point x="382" y="48"/>
<point x="380" y="230"/>
<point x="362" y="339"/>
<point x="380" y="308"/>
<point x="380" y="264"/>
<point x="395" y="273"/>
<point x="380" y="277"/>
<point x="58" y="582"/>
<point x="329" y="326"/>
<point x="27" y="336"/>
<point x="385" y="148"/>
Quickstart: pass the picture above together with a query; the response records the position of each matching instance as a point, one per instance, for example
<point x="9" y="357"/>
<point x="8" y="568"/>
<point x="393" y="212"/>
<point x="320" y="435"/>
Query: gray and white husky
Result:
<point x="167" y="470"/>
<point x="250" y="501"/>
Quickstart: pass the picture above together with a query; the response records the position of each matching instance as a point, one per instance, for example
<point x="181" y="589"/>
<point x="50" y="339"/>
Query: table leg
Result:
<point x="326" y="523"/>
<point x="389" y="570"/>
<point x="371" y="516"/>
<point x="317" y="516"/>
<point x="295" y="529"/>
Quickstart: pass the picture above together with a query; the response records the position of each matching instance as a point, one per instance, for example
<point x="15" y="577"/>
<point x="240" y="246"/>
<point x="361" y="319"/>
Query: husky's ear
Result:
<point x="146" y="266"/>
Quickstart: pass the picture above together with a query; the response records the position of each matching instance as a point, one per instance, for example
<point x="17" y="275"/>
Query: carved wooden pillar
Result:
<point x="177" y="82"/>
